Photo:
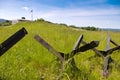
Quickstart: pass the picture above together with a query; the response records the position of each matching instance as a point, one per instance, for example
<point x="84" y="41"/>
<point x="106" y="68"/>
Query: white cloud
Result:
<point x="107" y="17"/>
<point x="80" y="13"/>
<point x="25" y="8"/>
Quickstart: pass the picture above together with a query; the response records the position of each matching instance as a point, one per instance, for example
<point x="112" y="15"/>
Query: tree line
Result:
<point x="6" y="23"/>
<point x="91" y="28"/>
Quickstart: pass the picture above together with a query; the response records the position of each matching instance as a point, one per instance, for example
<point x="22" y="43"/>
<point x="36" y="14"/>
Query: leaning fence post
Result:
<point x="12" y="40"/>
<point x="76" y="46"/>
<point x="78" y="42"/>
<point x="106" y="58"/>
<point x="49" y="47"/>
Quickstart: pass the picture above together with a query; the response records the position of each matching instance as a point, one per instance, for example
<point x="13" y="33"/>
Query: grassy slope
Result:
<point x="28" y="60"/>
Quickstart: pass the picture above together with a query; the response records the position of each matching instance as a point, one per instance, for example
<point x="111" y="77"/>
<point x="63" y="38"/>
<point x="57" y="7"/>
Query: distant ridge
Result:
<point x="2" y="20"/>
<point x="110" y="29"/>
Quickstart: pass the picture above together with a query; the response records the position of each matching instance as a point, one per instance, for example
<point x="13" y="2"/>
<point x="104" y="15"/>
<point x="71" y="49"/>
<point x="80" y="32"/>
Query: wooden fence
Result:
<point x="104" y="54"/>
<point x="67" y="57"/>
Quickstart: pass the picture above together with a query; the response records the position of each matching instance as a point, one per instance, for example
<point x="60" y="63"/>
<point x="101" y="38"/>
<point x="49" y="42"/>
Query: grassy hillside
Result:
<point x="29" y="60"/>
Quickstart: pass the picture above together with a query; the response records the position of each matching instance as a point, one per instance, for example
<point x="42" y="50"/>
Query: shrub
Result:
<point x="91" y="28"/>
<point x="41" y="20"/>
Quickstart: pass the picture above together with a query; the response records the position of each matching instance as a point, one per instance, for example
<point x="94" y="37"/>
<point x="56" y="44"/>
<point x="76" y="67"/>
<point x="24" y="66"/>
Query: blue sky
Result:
<point x="99" y="13"/>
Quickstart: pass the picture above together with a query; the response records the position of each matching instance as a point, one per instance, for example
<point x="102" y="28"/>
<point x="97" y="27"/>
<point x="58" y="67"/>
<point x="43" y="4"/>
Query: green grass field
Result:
<point x="29" y="60"/>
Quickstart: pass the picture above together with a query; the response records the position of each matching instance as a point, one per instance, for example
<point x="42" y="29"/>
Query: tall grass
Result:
<point x="28" y="60"/>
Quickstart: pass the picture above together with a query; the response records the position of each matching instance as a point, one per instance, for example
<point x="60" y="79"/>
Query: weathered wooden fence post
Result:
<point x="106" y="58"/>
<point x="106" y="54"/>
